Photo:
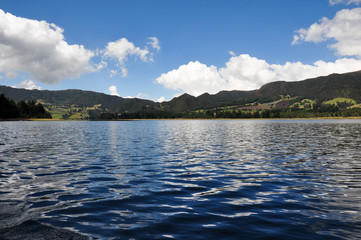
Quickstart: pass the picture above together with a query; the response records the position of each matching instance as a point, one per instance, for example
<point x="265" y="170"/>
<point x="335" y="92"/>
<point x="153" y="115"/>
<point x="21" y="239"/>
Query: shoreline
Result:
<point x="151" y="119"/>
<point x="315" y="118"/>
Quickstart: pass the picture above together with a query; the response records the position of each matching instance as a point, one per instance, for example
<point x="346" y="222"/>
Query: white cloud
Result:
<point x="122" y="49"/>
<point x="142" y="96"/>
<point x="39" y="48"/>
<point x="146" y="96"/>
<point x="334" y="2"/>
<point x="344" y="29"/>
<point x="98" y="66"/>
<point x="139" y="95"/>
<point x="124" y="72"/>
<point x="28" y="84"/>
<point x="113" y="91"/>
<point x="194" y="78"/>
<point x="161" y="99"/>
<point x="113" y="73"/>
<point x="154" y="42"/>
<point x="348" y="2"/>
<point x="244" y="72"/>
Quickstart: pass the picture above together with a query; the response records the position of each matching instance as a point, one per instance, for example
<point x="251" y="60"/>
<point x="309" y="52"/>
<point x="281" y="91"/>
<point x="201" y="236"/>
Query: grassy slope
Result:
<point x="338" y="100"/>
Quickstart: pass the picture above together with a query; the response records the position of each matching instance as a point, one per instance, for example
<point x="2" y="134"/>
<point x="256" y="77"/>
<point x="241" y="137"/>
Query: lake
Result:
<point x="184" y="179"/>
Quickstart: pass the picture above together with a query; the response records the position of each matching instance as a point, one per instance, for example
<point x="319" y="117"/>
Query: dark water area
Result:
<point x="222" y="179"/>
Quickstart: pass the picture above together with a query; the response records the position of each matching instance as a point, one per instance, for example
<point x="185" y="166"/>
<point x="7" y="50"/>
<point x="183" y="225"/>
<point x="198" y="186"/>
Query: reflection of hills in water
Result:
<point x="16" y="223"/>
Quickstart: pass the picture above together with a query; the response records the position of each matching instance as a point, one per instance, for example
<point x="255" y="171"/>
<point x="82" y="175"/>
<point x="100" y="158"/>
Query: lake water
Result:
<point x="191" y="179"/>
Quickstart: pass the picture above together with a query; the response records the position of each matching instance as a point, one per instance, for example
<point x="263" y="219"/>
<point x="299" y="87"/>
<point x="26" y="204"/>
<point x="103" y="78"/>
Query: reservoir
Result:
<point x="184" y="179"/>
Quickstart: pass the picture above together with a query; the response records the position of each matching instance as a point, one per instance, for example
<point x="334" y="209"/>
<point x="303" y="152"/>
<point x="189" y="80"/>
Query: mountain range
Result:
<point x="347" y="85"/>
<point x="325" y="88"/>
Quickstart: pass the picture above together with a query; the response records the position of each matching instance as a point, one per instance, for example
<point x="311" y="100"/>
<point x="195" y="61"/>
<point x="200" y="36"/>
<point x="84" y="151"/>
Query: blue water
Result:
<point x="192" y="179"/>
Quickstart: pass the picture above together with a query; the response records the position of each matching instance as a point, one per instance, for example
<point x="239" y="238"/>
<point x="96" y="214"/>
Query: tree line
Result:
<point x="23" y="109"/>
<point x="321" y="110"/>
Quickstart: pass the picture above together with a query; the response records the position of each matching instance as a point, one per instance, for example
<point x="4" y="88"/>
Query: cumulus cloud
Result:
<point x="28" y="84"/>
<point x="39" y="48"/>
<point x="113" y="91"/>
<point x="348" y="2"/>
<point x="139" y="95"/>
<point x="154" y="42"/>
<point x="252" y="72"/>
<point x="244" y="72"/>
<point x="194" y="78"/>
<point x="122" y="49"/>
<point x="142" y="95"/>
<point x="344" y="29"/>
<point x="161" y="99"/>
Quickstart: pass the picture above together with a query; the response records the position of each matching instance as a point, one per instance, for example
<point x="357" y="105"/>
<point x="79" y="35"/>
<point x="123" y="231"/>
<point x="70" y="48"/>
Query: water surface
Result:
<point x="192" y="179"/>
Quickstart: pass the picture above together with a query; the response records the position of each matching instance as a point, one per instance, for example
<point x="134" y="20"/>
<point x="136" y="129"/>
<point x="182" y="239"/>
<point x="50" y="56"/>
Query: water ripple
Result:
<point x="184" y="179"/>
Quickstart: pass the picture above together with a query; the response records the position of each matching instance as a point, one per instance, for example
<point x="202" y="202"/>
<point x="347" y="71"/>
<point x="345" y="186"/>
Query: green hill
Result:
<point x="71" y="97"/>
<point x="276" y="95"/>
<point x="324" y="88"/>
<point x="347" y="85"/>
<point x="187" y="102"/>
<point x="68" y="102"/>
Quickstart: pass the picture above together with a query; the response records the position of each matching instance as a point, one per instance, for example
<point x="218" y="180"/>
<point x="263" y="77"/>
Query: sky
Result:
<point x="160" y="49"/>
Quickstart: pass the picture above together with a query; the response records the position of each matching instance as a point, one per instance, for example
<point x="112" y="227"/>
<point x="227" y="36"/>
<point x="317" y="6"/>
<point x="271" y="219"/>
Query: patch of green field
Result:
<point x="56" y="112"/>
<point x="69" y="112"/>
<point x="336" y="101"/>
<point x="355" y="106"/>
<point x="253" y="104"/>
<point x="79" y="116"/>
<point x="305" y="101"/>
<point x="304" y="104"/>
<point x="285" y="97"/>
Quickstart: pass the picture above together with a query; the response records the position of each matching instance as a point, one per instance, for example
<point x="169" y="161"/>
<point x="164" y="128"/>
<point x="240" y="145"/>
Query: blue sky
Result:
<point x="162" y="48"/>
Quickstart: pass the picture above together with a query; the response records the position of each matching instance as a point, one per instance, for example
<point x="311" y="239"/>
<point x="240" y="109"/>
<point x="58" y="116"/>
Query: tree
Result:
<point x="8" y="108"/>
<point x="23" y="109"/>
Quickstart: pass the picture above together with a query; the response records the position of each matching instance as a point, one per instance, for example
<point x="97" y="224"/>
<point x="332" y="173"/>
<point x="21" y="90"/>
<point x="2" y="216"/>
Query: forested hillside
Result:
<point x="23" y="109"/>
<point x="333" y="95"/>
